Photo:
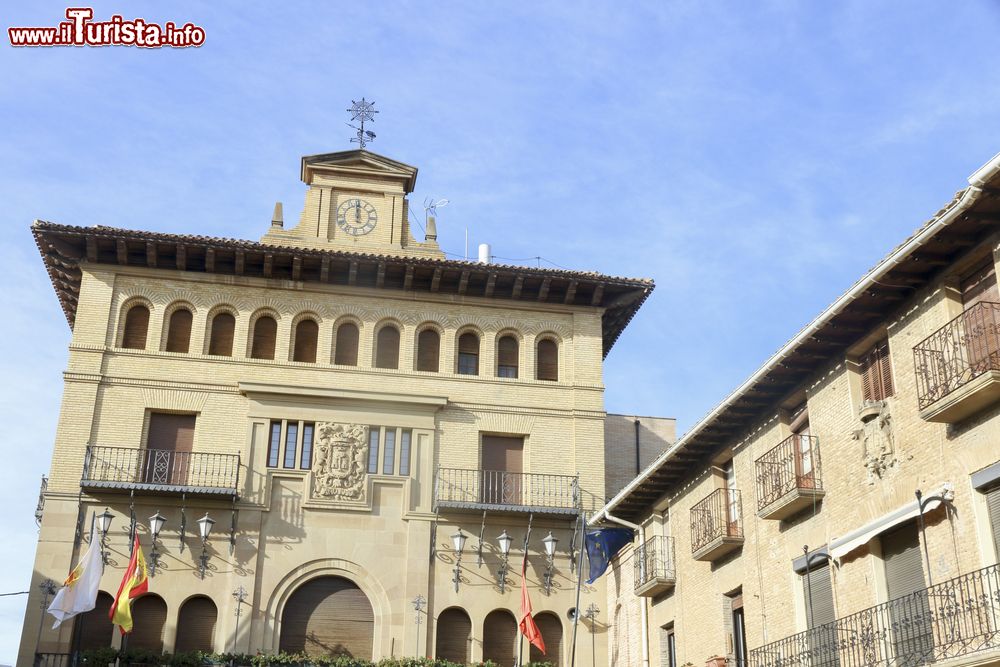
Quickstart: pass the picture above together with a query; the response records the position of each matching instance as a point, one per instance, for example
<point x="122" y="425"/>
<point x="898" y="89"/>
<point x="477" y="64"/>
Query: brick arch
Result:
<point x="123" y="320"/>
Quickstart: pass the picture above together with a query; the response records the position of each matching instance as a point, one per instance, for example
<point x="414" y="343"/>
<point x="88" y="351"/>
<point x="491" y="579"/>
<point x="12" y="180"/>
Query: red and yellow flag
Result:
<point x="134" y="583"/>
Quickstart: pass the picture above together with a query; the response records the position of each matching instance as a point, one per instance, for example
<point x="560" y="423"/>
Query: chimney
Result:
<point x="432" y="230"/>
<point x="484" y="253"/>
<point x="278" y="218"/>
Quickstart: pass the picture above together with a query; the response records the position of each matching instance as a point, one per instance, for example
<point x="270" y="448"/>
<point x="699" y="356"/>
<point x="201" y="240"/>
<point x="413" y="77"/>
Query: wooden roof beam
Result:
<point x="380" y="275"/>
<point x="543" y="291"/>
<point x="463" y="282"/>
<point x="181" y="257"/>
<point x="324" y="270"/>
<point x="91" y="249"/>
<point x="268" y="264"/>
<point x="518" y="284"/>
<point x="436" y="279"/>
<point x="570" y="292"/>
<point x="296" y="268"/>
<point x="408" y="278"/>
<point x="210" y="260"/>
<point x="240" y="262"/>
<point x="352" y="272"/>
<point x="122" y="250"/>
<point x="491" y="284"/>
<point x="150" y="254"/>
<point x="595" y="300"/>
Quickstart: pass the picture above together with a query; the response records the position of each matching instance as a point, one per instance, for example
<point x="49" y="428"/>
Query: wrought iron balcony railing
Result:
<point x="948" y="620"/>
<point x="958" y="352"/>
<point x="718" y="517"/>
<point x="790" y="468"/>
<point x="161" y="470"/>
<point x="654" y="565"/>
<point x="511" y="491"/>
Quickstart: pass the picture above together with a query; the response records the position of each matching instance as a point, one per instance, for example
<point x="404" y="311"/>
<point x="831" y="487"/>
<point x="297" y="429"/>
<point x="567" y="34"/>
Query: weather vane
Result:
<point x="362" y="111"/>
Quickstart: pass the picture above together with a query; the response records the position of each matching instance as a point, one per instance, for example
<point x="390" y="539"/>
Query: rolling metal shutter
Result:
<point x="149" y="615"/>
<point x="551" y="629"/>
<point x="910" y="613"/>
<point x="904" y="568"/>
<point x="328" y="616"/>
<point x="265" y="333"/>
<point x="993" y="503"/>
<point x="93" y="629"/>
<point x="196" y="625"/>
<point x="179" y="332"/>
<point x="223" y="331"/>
<point x="818" y="587"/>
<point x="454" y="632"/>
<point x="499" y="637"/>
<point x="428" y="351"/>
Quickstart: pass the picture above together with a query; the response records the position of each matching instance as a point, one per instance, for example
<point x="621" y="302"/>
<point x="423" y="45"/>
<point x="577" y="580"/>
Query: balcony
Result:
<point x="497" y="490"/>
<point x="945" y="622"/>
<point x="161" y="471"/>
<point x="654" y="566"/>
<point x="788" y="478"/>
<point x="716" y="525"/>
<point x="958" y="366"/>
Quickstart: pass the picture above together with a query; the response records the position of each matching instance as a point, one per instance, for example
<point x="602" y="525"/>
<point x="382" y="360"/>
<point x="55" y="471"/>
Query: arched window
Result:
<point x="136" y="327"/>
<point x="196" y="625"/>
<point x="507" y="357"/>
<point x="151" y="613"/>
<point x="499" y="637"/>
<point x="328" y="616"/>
<point x="551" y="628"/>
<point x="179" y="330"/>
<point x="94" y="629"/>
<point x="346" y="352"/>
<point x="428" y="350"/>
<point x="306" y="337"/>
<point x="468" y="354"/>
<point x="265" y="333"/>
<point x="548" y="360"/>
<point x="220" y="338"/>
<point x="454" y="634"/>
<point x="387" y="347"/>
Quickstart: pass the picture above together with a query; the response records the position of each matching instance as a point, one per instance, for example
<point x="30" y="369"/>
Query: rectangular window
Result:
<point x="876" y="373"/>
<point x="739" y="632"/>
<point x="307" y="446"/>
<point x="373" y="433"/>
<point x="274" y="446"/>
<point x="404" y="453"/>
<point x="507" y="371"/>
<point x="291" y="442"/>
<point x="468" y="364"/>
<point x="668" y="646"/>
<point x="389" y="457"/>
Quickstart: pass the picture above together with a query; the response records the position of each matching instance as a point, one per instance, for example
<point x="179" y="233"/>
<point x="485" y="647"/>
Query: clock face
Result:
<point x="356" y="216"/>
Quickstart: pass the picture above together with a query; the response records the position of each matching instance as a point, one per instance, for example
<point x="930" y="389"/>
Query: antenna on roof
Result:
<point x="430" y="217"/>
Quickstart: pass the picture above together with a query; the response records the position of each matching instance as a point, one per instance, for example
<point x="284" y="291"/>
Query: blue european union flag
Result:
<point x="602" y="545"/>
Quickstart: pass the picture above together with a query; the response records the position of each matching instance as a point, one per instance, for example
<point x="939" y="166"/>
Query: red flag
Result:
<point x="135" y="582"/>
<point x="527" y="623"/>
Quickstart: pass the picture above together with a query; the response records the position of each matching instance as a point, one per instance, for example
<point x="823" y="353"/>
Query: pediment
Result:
<point x="360" y="162"/>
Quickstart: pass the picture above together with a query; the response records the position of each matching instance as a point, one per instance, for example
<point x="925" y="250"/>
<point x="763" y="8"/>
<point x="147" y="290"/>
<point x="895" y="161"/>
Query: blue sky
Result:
<point x="753" y="158"/>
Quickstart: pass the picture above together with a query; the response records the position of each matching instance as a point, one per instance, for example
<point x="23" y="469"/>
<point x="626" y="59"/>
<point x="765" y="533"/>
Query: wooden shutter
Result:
<point x="551" y="628"/>
<point x="454" y="632"/>
<point x="265" y="333"/>
<point x="150" y="615"/>
<point x="328" y="616"/>
<point x="502" y="459"/>
<point x="876" y="372"/>
<point x="904" y="568"/>
<point x="196" y="625"/>
<point x="223" y="331"/>
<point x="993" y="506"/>
<point x="94" y="629"/>
<point x="817" y="586"/>
<point x="346" y="353"/>
<point x="428" y="351"/>
<point x="387" y="347"/>
<point x="136" y="328"/>
<point x="306" y="336"/>
<point x="507" y="355"/>
<point x="547" y="360"/>
<point x="179" y="331"/>
<point x="980" y="284"/>
<point x="170" y="440"/>
<point x="499" y="636"/>
<point x="502" y="453"/>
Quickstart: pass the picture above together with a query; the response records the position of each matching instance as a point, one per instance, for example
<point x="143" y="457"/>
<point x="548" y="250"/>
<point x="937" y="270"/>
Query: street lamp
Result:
<point x="550" y="543"/>
<point x="458" y="541"/>
<point x="504" y="540"/>
<point x="205" y="524"/>
<point x="103" y="526"/>
<point x="418" y="603"/>
<point x="240" y="594"/>
<point x="155" y="526"/>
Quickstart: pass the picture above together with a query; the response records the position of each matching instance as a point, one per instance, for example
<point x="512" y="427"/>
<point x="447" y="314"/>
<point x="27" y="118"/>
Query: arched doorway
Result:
<point x="196" y="625"/>
<point x="328" y="616"/>
<point x="149" y="615"/>
<point x="551" y="628"/>
<point x="454" y="632"/>
<point x="93" y="629"/>
<point x="499" y="637"/>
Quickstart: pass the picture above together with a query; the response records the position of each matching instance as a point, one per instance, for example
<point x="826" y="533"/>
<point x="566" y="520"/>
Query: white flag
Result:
<point x="79" y="591"/>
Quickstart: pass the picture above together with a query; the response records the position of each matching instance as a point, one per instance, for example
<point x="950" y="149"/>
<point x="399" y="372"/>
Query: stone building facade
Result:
<point x="342" y="401"/>
<point x="785" y="527"/>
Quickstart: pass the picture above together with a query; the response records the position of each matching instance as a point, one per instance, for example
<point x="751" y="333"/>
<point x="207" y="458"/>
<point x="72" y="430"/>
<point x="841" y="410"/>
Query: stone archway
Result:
<point x="328" y="615"/>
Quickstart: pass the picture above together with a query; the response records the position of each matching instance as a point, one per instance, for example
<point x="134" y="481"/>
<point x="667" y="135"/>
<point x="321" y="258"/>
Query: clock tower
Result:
<point x="356" y="201"/>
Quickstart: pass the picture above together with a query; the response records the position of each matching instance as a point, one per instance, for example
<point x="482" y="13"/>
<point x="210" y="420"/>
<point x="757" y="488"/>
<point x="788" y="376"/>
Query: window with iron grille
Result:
<point x="876" y="372"/>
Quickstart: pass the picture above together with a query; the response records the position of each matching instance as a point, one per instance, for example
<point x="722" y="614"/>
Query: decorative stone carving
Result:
<point x="340" y="465"/>
<point x="878" y="451"/>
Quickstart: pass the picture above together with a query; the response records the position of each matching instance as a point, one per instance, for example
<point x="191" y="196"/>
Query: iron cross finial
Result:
<point x="362" y="111"/>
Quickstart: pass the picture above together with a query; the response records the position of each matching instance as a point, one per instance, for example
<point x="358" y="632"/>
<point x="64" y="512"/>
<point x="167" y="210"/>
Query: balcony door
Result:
<point x="980" y="336"/>
<point x="501" y="467"/>
<point x="732" y="501"/>
<point x="909" y="607"/>
<point x="168" y="445"/>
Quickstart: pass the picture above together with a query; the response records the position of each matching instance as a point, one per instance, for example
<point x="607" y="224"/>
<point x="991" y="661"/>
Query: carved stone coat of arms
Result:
<point x="340" y="465"/>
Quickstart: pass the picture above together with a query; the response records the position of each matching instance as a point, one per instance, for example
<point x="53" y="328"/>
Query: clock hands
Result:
<point x="357" y="211"/>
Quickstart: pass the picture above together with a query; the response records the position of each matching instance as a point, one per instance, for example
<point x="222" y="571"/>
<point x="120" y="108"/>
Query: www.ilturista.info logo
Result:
<point x="80" y="30"/>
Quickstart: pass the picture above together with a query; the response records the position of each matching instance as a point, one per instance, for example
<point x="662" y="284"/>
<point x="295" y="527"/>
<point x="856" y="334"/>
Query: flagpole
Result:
<point x="579" y="583"/>
<point x="524" y="558"/>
